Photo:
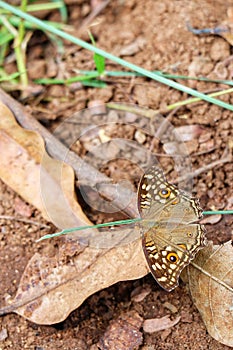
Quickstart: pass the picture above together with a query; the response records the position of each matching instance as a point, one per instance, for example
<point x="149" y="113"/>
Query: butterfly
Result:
<point x="170" y="235"/>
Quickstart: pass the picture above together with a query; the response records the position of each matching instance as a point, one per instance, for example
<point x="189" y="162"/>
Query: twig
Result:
<point x="26" y="221"/>
<point x="225" y="159"/>
<point x="204" y="152"/>
<point x="93" y="14"/>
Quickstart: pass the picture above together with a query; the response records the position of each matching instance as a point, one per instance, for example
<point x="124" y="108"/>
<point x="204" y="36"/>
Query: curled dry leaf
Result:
<point x="140" y="293"/>
<point x="159" y="324"/>
<point x="52" y="287"/>
<point x="214" y="300"/>
<point x="46" y="183"/>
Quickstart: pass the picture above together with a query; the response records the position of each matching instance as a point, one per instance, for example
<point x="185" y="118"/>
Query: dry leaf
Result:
<point x="140" y="293"/>
<point x="213" y="300"/>
<point x="46" y="183"/>
<point x="211" y="219"/>
<point x="52" y="287"/>
<point x="134" y="47"/>
<point x="188" y="132"/>
<point x="159" y="324"/>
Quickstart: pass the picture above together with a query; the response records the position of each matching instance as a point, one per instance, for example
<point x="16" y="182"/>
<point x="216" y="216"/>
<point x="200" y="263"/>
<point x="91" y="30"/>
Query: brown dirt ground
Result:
<point x="166" y="46"/>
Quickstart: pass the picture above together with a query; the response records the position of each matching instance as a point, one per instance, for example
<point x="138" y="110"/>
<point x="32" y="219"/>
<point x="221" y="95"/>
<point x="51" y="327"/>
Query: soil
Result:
<point x="153" y="35"/>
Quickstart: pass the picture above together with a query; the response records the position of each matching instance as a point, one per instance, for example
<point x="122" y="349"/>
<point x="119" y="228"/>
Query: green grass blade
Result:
<point x="196" y="99"/>
<point x="85" y="80"/>
<point x="5" y="38"/>
<point x="99" y="60"/>
<point x="45" y="6"/>
<point x="15" y="21"/>
<point x="63" y="10"/>
<point x="11" y="77"/>
<point x="166" y="75"/>
<point x="116" y="223"/>
<point x="218" y="212"/>
<point x="73" y="229"/>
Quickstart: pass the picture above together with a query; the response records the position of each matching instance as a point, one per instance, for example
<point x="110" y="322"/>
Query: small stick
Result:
<point x="225" y="159"/>
<point x="26" y="221"/>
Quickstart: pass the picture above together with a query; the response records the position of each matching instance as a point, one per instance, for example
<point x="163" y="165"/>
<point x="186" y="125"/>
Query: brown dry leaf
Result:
<point x="123" y="333"/>
<point x="211" y="219"/>
<point x="52" y="287"/>
<point x="159" y="324"/>
<point x="213" y="300"/>
<point x="188" y="132"/>
<point x="140" y="293"/>
<point x="46" y="183"/>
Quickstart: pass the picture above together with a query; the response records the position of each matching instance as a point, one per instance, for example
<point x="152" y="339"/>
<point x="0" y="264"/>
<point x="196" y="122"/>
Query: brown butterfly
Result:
<point x="171" y="239"/>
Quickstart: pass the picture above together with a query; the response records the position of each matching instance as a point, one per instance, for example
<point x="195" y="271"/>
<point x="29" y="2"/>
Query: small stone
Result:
<point x="3" y="334"/>
<point x="170" y="307"/>
<point x="140" y="137"/>
<point x="97" y="107"/>
<point x="130" y="117"/>
<point x="219" y="50"/>
<point x="186" y="317"/>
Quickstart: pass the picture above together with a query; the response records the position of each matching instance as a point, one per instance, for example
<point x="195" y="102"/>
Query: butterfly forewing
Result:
<point x="152" y="183"/>
<point x="170" y="239"/>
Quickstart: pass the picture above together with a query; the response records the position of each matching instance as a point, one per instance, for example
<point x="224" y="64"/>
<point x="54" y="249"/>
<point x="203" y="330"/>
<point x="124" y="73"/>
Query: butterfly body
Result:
<point x="171" y="238"/>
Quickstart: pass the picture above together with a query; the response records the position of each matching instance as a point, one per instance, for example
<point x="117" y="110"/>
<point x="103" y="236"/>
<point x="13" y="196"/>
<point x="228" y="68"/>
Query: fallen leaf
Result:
<point x="46" y="183"/>
<point x="159" y="324"/>
<point x="123" y="333"/>
<point x="211" y="219"/>
<point x="213" y="300"/>
<point x="52" y="287"/>
<point x="140" y="293"/>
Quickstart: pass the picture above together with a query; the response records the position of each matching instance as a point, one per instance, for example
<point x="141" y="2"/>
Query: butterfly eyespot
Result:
<point x="172" y="257"/>
<point x="164" y="193"/>
<point x="189" y="234"/>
